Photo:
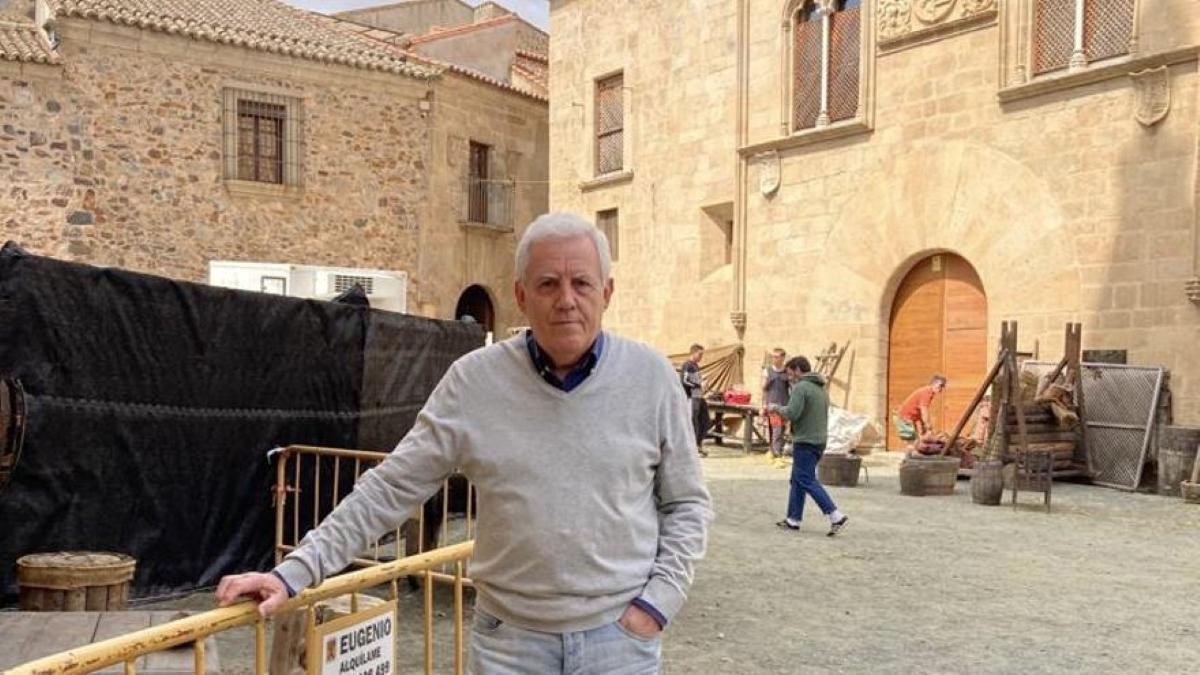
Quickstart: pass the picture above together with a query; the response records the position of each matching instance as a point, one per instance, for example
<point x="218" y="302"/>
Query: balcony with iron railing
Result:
<point x="487" y="204"/>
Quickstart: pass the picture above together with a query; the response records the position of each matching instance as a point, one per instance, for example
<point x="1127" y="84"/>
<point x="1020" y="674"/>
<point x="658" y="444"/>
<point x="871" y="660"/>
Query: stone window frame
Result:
<point x="825" y="129"/>
<point x="605" y="181"/>
<point x="1018" y="53"/>
<point x="232" y="93"/>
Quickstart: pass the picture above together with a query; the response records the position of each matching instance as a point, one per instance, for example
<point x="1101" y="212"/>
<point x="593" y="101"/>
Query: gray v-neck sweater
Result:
<point x="587" y="499"/>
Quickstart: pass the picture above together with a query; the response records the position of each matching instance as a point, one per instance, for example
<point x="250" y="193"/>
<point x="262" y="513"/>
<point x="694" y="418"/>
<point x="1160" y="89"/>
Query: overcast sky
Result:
<point x="536" y="12"/>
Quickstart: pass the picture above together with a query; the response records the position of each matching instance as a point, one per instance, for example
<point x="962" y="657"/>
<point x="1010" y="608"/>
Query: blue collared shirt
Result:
<point x="545" y="367"/>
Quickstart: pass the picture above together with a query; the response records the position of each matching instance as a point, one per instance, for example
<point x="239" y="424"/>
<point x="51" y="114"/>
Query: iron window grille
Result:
<point x="488" y="202"/>
<point x="263" y="137"/>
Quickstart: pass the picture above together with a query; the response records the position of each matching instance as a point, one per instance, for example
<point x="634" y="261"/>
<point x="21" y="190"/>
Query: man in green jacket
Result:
<point x="808" y="411"/>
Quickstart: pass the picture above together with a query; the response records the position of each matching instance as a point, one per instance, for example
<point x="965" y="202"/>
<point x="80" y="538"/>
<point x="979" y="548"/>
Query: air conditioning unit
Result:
<point x="386" y="289"/>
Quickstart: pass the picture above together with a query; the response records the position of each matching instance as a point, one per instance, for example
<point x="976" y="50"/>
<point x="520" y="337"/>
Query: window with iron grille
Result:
<point x="1074" y="33"/>
<point x="610" y="124"/>
<point x="608" y="222"/>
<point x="825" y="63"/>
<point x="263" y="140"/>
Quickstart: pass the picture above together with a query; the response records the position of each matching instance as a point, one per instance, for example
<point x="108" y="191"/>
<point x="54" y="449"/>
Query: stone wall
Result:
<point x="489" y="50"/>
<point x="679" y="149"/>
<point x="415" y="17"/>
<point x="1069" y="209"/>
<point x="115" y="158"/>
<point x="458" y="254"/>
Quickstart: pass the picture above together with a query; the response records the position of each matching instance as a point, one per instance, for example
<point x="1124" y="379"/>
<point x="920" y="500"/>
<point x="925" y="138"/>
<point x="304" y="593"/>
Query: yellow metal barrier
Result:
<point x="194" y="629"/>
<point x="299" y="470"/>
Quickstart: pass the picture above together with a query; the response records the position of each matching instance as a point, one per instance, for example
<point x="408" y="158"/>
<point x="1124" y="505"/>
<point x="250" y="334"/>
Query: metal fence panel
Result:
<point x="1120" y="406"/>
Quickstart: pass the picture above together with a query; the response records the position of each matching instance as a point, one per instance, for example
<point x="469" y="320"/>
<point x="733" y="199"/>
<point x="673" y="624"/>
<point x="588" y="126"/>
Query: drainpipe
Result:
<point x="1193" y="285"/>
<point x="738" y="315"/>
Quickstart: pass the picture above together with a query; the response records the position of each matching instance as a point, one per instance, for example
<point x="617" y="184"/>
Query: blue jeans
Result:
<point x="804" y="481"/>
<point x="499" y="648"/>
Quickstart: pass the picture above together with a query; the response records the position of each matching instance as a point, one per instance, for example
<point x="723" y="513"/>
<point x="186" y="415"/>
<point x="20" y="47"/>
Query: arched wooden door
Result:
<point x="938" y="325"/>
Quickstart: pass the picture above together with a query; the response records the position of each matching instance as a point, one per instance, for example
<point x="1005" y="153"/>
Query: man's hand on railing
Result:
<point x="267" y="590"/>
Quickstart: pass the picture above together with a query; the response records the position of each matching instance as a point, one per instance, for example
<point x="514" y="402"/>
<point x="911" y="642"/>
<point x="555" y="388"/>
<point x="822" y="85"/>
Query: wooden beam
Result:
<point x="987" y="382"/>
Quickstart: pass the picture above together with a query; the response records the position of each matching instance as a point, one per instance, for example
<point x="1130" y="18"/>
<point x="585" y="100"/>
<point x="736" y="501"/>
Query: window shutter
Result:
<point x="1053" y="35"/>
<point x="806" y="73"/>
<point x="1107" y="28"/>
<point x="843" y="63"/>
<point x="610" y="125"/>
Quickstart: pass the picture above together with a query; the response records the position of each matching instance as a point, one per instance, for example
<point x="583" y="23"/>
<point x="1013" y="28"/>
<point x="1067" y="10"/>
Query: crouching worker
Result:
<point x="592" y="509"/>
<point x="915" y="410"/>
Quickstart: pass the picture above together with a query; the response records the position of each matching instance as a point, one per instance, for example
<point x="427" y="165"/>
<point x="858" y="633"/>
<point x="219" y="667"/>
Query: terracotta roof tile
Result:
<point x="26" y="43"/>
<point x="266" y="25"/>
<point x="533" y="56"/>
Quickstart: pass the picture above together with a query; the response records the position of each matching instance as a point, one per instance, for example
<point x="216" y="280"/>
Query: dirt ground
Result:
<point x="1105" y="583"/>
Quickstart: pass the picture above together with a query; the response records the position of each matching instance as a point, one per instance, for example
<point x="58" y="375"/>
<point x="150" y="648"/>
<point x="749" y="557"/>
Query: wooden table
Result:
<point x="749" y="430"/>
<point x="26" y="636"/>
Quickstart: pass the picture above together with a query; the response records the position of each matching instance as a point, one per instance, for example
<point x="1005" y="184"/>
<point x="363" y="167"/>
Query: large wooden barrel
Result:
<point x="928" y="476"/>
<point x="987" y="482"/>
<point x="74" y="581"/>
<point x="1176" y="453"/>
<point x="839" y="469"/>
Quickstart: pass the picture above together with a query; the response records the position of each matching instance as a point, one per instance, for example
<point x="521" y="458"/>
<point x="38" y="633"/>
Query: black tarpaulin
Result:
<point x="151" y="405"/>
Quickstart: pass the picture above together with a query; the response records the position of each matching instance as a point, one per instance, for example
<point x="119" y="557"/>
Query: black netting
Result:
<point x="151" y="404"/>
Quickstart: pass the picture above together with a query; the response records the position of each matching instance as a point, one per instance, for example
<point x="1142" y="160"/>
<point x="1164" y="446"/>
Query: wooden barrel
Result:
<point x="74" y="581"/>
<point x="928" y="476"/>
<point x="987" y="482"/>
<point x="1176" y="453"/>
<point x="839" y="469"/>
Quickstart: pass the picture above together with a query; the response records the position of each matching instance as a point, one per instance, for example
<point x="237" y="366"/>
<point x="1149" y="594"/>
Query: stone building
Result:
<point x="488" y="39"/>
<point x="905" y="174"/>
<point x="161" y="136"/>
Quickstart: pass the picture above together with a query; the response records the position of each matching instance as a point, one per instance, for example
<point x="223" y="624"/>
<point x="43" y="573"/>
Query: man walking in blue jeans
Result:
<point x="808" y="410"/>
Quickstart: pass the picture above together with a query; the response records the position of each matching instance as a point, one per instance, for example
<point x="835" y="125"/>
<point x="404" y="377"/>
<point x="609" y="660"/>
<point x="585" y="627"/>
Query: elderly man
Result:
<point x="592" y="509"/>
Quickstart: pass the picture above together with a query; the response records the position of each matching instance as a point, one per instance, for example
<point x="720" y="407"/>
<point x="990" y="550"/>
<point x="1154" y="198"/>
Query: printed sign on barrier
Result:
<point x="363" y="643"/>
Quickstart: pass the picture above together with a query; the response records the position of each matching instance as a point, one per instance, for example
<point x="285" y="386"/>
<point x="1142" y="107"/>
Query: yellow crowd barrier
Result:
<point x="311" y="481"/>
<point x="195" y="629"/>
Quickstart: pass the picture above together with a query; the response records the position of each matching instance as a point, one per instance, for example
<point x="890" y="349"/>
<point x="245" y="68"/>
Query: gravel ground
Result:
<point x="1105" y="583"/>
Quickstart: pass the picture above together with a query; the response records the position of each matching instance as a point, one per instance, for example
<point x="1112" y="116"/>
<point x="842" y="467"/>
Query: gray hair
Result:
<point x="562" y="225"/>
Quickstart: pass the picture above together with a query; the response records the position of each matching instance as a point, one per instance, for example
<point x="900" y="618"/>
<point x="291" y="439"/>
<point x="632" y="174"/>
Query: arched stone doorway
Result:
<point x="476" y="302"/>
<point x="938" y="325"/>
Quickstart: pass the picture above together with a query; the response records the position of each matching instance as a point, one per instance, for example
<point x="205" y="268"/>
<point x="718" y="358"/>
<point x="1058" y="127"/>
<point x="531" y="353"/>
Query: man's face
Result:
<point x="938" y="386"/>
<point x="698" y="356"/>
<point x="777" y="361"/>
<point x="563" y="296"/>
<point x="794" y="374"/>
